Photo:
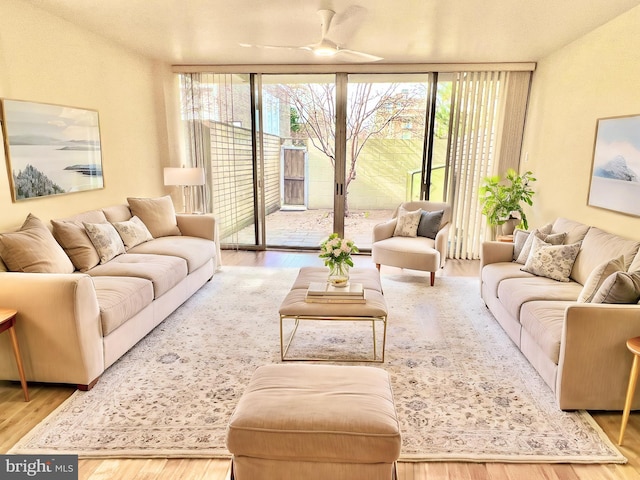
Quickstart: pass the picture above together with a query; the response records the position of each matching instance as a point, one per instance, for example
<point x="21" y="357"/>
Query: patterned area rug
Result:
<point x="463" y="391"/>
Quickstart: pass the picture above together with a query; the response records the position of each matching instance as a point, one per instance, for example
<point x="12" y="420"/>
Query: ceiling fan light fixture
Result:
<point x="325" y="51"/>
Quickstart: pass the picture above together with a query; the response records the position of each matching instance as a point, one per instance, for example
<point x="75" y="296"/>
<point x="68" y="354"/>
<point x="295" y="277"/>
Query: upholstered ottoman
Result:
<point x="315" y="422"/>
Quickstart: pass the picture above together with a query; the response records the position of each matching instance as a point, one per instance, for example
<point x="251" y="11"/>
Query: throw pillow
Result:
<point x="133" y="232"/>
<point x="407" y="223"/>
<point x="76" y="243"/>
<point x="519" y="239"/>
<point x="619" y="287"/>
<point x="106" y="240"/>
<point x="429" y="224"/>
<point x="551" y="261"/>
<point x="157" y="214"/>
<point x="598" y="276"/>
<point x="33" y="249"/>
<point x="553" y="239"/>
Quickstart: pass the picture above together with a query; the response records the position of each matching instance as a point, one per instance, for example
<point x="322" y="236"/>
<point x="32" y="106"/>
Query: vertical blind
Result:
<point x="486" y="124"/>
<point x="216" y="110"/>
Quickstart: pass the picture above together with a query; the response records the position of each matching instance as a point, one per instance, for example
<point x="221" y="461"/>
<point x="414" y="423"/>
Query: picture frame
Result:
<point x="50" y="149"/>
<point x="615" y="168"/>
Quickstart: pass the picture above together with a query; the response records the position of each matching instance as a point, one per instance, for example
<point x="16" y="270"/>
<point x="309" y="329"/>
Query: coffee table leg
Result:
<point x="283" y="349"/>
<point x="373" y="327"/>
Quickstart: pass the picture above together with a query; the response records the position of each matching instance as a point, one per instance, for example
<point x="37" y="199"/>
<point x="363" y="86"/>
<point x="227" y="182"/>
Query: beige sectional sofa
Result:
<point x="573" y="332"/>
<point x="86" y="299"/>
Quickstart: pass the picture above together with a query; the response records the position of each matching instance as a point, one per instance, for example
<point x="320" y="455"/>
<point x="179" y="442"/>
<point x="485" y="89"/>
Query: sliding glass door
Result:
<point x="386" y="161"/>
<point x="301" y="111"/>
<point x="292" y="158"/>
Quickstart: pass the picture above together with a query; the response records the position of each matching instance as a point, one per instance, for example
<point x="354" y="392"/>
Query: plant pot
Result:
<point x="509" y="226"/>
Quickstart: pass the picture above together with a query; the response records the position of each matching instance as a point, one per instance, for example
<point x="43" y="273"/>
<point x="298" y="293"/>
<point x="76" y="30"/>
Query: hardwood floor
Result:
<point x="18" y="417"/>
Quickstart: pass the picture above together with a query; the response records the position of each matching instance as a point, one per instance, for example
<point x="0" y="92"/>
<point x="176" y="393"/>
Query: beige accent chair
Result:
<point x="415" y="253"/>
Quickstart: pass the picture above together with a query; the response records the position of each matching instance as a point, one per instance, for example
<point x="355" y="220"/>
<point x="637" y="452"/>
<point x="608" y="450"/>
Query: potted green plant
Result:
<point x="502" y="201"/>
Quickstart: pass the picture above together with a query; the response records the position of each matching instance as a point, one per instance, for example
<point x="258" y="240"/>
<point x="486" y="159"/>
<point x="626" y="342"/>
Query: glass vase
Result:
<point x="339" y="275"/>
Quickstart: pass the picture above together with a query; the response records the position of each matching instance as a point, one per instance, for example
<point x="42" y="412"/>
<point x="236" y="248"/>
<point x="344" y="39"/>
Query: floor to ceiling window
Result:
<point x="292" y="158"/>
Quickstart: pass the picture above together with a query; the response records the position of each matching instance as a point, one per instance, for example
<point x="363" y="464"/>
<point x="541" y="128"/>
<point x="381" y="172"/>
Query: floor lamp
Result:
<point x="186" y="178"/>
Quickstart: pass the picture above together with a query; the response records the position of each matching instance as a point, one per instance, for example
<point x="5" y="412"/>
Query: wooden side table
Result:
<point x="633" y="344"/>
<point x="7" y="322"/>
<point x="505" y="238"/>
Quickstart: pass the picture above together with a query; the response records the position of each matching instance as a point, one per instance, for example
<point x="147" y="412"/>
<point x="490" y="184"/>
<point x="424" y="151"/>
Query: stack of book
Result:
<point x="326" y="293"/>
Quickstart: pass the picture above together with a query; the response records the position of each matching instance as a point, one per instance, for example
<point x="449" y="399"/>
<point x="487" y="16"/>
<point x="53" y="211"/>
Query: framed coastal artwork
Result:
<point x="615" y="172"/>
<point x="50" y="149"/>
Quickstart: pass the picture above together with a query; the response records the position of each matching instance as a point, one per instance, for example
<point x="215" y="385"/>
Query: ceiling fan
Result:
<point x="325" y="47"/>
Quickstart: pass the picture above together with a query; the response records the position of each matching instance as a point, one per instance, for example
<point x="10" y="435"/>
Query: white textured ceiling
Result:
<point x="183" y="32"/>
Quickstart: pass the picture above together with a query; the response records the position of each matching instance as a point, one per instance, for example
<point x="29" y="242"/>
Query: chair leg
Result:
<point x="433" y="278"/>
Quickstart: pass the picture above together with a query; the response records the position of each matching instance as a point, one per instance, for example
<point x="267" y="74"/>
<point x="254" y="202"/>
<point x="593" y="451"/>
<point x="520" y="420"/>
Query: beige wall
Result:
<point x="46" y="59"/>
<point x="596" y="76"/>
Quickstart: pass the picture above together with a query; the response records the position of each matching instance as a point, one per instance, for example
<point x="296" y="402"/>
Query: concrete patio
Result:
<point x="308" y="228"/>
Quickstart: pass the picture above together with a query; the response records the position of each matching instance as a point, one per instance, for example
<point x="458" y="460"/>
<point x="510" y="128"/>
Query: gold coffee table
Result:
<point x="295" y="308"/>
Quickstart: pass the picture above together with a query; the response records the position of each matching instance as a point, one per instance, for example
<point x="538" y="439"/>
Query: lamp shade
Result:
<point x="184" y="176"/>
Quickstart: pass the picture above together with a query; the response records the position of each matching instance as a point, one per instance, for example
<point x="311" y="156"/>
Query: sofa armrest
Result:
<point x="594" y="362"/>
<point x="442" y="240"/>
<point x="203" y="226"/>
<point x="495" y="252"/>
<point x="194" y="225"/>
<point x="58" y="327"/>
<point x="384" y="230"/>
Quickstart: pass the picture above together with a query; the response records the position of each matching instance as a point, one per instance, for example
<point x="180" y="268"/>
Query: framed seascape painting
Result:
<point x="50" y="149"/>
<point x="615" y="173"/>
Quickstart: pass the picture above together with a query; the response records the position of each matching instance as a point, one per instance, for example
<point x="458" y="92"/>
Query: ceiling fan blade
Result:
<point x="360" y="56"/>
<point x="275" y="47"/>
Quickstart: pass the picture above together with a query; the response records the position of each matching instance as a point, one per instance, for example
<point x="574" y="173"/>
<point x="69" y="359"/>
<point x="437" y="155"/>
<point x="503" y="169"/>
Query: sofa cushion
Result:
<point x="407" y="223"/>
<point x="514" y="292"/>
<point x="598" y="275"/>
<point x="75" y="241"/>
<point x="620" y="287"/>
<point x="575" y="230"/>
<point x="599" y="246"/>
<point x="33" y="249"/>
<point x="120" y="298"/>
<point x="429" y="223"/>
<point x="543" y="321"/>
<point x="106" y="240"/>
<point x="117" y="213"/>
<point x="132" y="232"/>
<point x="163" y="271"/>
<point x="493" y="273"/>
<point x="196" y="251"/>
<point x="551" y="261"/>
<point x="157" y="214"/>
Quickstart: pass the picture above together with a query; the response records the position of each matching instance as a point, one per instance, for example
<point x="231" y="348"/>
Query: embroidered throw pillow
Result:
<point x="133" y="232"/>
<point x="598" y="276"/>
<point x="106" y="240"/>
<point x="551" y="261"/>
<point x="407" y="223"/>
<point x="619" y="287"/>
<point x="553" y="239"/>
<point x="33" y="249"/>
<point x="429" y="223"/>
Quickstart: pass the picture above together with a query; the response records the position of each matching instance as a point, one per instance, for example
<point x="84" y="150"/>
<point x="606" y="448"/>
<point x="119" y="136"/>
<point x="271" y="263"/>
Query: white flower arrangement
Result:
<point x="335" y="250"/>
